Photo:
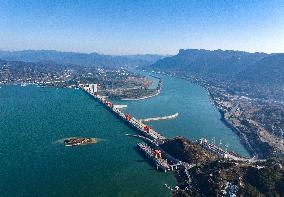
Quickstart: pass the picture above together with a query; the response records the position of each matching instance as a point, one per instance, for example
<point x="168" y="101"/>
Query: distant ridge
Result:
<point x="209" y="62"/>
<point x="249" y="72"/>
<point x="82" y="59"/>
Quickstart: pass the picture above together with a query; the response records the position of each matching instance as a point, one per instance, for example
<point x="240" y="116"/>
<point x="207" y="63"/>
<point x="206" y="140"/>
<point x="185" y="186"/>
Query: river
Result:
<point x="198" y="117"/>
<point x="34" y="162"/>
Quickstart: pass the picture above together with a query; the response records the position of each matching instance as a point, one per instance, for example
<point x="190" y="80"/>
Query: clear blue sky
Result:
<point x="142" y="26"/>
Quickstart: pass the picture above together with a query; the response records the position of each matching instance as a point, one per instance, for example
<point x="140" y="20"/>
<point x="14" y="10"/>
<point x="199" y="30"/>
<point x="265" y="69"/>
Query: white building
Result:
<point x="92" y="88"/>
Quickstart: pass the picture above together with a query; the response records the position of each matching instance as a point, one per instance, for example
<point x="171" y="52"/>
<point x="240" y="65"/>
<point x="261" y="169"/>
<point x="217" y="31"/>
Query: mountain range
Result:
<point x="81" y="59"/>
<point x="259" y="73"/>
<point x="244" y="70"/>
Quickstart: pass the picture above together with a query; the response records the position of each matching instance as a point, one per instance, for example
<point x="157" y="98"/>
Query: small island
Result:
<point x="74" y="141"/>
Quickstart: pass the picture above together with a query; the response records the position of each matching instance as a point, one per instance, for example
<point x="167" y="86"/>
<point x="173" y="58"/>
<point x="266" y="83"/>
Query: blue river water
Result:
<point x="34" y="121"/>
<point x="197" y="117"/>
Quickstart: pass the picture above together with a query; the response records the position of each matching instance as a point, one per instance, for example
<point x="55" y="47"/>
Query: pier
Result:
<point x="159" y="118"/>
<point x="119" y="106"/>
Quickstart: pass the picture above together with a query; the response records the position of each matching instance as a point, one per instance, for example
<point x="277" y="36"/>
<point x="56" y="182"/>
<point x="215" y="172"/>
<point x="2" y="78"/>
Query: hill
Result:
<point x="208" y="62"/>
<point x="258" y="74"/>
<point x="215" y="176"/>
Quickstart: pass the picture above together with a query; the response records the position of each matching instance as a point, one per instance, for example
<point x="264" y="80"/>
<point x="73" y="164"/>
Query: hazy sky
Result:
<point x="142" y="26"/>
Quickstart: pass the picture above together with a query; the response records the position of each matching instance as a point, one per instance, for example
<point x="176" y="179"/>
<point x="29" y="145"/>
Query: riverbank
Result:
<point x="242" y="137"/>
<point x="233" y="117"/>
<point x="247" y="133"/>
<point x="156" y="93"/>
<point x="252" y="143"/>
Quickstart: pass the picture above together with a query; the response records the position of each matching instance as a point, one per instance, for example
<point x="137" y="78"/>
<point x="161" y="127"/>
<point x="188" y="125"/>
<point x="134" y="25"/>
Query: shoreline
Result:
<point x="248" y="142"/>
<point x="158" y="91"/>
<point x="141" y="98"/>
<point x="242" y="137"/>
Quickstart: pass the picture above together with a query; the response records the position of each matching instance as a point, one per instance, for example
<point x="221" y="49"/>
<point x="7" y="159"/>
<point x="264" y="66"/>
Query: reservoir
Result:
<point x="34" y="161"/>
<point x="34" y="122"/>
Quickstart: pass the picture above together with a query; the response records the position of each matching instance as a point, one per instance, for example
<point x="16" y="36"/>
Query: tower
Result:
<point x="94" y="88"/>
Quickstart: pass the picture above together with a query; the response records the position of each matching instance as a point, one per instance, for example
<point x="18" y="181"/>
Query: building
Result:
<point x="94" y="88"/>
<point x="91" y="88"/>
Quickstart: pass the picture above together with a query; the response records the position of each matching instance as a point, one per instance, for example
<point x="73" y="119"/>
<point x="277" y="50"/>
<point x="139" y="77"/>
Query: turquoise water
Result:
<point x="34" y="162"/>
<point x="33" y="122"/>
<point x="197" y="117"/>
